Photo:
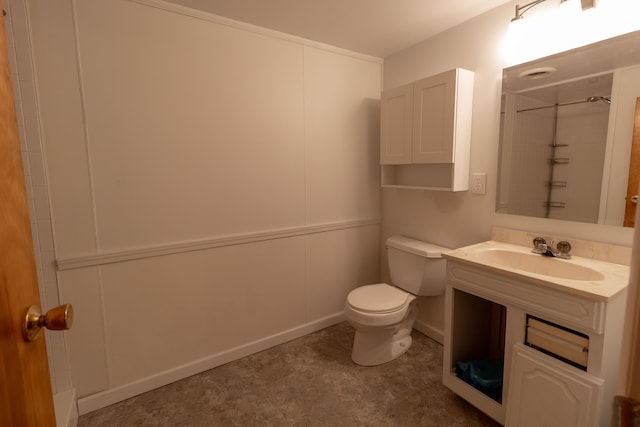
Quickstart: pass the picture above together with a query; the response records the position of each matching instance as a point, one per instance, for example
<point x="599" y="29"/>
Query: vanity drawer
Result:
<point x="557" y="341"/>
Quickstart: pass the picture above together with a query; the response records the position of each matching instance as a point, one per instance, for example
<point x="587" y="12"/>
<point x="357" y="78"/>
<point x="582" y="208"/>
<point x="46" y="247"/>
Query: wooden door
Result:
<point x="25" y="388"/>
<point x="634" y="172"/>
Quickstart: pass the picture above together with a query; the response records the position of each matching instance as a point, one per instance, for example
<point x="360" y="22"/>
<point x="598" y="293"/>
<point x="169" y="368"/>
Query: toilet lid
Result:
<point x="380" y="298"/>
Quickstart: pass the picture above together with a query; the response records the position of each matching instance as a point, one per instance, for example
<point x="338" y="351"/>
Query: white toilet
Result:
<point x="382" y="314"/>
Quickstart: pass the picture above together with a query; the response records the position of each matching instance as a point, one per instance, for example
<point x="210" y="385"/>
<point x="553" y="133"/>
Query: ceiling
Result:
<point x="374" y="27"/>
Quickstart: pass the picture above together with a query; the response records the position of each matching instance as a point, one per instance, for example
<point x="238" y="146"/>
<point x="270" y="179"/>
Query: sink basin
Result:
<point x="539" y="264"/>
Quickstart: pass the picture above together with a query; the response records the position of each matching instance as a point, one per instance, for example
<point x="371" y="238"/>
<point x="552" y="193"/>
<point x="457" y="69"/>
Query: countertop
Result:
<point x="615" y="277"/>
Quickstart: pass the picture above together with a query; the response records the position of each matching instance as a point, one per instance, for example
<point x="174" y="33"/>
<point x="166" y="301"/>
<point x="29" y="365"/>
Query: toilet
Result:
<point x="383" y="314"/>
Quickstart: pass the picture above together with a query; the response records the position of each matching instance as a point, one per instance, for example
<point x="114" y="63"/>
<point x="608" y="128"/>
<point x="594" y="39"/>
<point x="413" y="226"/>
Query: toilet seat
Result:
<point x="378" y="299"/>
<point x="377" y="305"/>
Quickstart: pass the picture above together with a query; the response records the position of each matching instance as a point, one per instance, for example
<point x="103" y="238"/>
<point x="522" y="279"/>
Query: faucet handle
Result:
<point x="539" y="240"/>
<point x="539" y="245"/>
<point x="564" y="248"/>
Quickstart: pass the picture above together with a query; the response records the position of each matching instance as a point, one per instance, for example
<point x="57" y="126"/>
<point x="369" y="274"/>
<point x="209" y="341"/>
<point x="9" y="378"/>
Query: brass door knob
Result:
<point x="56" y="319"/>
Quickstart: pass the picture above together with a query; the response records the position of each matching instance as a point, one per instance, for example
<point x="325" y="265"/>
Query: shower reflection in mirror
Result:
<point x="553" y="144"/>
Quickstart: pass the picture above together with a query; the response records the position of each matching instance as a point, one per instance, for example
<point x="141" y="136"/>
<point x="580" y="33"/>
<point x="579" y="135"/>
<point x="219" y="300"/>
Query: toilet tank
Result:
<point x="417" y="267"/>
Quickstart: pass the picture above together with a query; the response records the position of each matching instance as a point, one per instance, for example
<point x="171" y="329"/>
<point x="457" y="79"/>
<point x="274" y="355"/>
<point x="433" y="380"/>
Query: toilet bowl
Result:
<point x="383" y="317"/>
<point x="383" y="314"/>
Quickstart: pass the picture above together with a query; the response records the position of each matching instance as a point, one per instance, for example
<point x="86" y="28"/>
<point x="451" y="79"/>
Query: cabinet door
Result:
<point x="545" y="392"/>
<point x="434" y="104"/>
<point x="396" y="125"/>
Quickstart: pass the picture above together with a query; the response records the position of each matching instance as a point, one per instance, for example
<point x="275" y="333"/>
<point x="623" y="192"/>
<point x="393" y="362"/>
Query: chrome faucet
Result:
<point x="561" y="251"/>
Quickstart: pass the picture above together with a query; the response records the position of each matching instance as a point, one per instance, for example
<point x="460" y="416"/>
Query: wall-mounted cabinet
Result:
<point x="426" y="133"/>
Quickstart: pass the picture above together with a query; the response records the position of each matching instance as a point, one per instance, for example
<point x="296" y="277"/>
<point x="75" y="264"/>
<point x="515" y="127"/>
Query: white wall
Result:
<point x="214" y="186"/>
<point x="458" y="219"/>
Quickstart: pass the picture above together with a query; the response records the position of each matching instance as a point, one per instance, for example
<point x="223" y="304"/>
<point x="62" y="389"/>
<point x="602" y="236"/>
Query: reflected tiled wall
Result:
<point x="18" y="41"/>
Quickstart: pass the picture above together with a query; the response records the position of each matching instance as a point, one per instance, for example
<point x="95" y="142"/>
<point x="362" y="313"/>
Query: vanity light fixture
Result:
<point x="521" y="10"/>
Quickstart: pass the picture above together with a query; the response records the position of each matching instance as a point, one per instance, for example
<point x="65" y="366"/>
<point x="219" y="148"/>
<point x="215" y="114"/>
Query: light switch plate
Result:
<point x="479" y="183"/>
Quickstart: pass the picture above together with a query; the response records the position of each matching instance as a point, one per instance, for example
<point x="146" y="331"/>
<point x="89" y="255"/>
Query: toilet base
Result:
<point x="378" y="347"/>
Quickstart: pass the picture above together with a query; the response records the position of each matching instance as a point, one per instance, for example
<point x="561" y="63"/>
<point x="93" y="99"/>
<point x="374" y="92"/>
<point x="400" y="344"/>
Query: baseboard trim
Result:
<point x="430" y="331"/>
<point x="108" y="397"/>
<point x="66" y="408"/>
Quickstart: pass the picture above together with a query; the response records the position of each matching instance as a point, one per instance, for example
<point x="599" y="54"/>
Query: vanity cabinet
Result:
<point x="487" y="316"/>
<point x="426" y="132"/>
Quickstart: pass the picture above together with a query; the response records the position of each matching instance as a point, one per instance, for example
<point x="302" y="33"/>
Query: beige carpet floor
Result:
<point x="310" y="381"/>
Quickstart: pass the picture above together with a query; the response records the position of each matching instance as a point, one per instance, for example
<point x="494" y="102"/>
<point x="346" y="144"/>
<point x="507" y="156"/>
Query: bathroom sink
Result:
<point x="539" y="264"/>
<point x="595" y="278"/>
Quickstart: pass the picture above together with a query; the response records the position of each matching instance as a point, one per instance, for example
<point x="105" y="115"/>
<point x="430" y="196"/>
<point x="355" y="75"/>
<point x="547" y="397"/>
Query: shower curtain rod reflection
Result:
<point x="605" y="99"/>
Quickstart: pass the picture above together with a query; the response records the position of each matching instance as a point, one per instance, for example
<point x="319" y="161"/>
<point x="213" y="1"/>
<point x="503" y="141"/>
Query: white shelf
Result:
<point x="439" y="177"/>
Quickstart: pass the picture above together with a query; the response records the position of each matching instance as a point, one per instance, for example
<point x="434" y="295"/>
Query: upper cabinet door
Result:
<point x="434" y="118"/>
<point x="396" y="125"/>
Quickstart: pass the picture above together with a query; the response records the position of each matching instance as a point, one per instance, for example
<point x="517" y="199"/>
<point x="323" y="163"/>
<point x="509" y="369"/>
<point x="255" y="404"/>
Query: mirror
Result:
<point x="566" y="126"/>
